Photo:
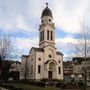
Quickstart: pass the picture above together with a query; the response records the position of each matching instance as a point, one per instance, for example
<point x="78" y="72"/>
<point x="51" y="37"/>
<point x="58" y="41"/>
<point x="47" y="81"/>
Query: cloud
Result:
<point x="22" y="17"/>
<point x="69" y="13"/>
<point x="23" y="43"/>
<point x="19" y="15"/>
<point x="26" y="14"/>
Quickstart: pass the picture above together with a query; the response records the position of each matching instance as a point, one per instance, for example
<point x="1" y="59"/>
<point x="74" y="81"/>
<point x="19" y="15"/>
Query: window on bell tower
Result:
<point x="51" y="35"/>
<point x="59" y="70"/>
<point x="42" y="36"/>
<point x="47" y="34"/>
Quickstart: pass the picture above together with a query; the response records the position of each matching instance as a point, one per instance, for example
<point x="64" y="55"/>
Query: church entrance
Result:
<point x="51" y="70"/>
<point x="50" y="74"/>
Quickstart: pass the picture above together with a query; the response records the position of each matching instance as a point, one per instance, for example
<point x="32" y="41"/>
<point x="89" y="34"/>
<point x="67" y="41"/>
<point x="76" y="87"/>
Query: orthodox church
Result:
<point x="44" y="62"/>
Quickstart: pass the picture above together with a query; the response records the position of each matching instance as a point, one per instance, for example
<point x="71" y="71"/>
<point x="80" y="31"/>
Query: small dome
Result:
<point x="46" y="12"/>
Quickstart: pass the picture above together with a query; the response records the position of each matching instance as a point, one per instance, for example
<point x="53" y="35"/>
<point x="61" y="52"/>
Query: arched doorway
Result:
<point x="52" y="68"/>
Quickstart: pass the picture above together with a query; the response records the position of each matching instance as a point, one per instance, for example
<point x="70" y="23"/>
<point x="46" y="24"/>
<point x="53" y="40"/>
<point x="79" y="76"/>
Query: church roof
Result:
<point x="46" y="12"/>
<point x="38" y="49"/>
<point x="25" y="55"/>
<point x="59" y="53"/>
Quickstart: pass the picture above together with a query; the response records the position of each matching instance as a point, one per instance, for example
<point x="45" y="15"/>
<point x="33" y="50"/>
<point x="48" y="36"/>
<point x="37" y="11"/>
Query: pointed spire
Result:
<point x="46" y="5"/>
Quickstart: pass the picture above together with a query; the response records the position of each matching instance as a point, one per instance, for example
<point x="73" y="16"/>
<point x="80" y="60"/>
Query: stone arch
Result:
<point x="52" y="70"/>
<point x="52" y="66"/>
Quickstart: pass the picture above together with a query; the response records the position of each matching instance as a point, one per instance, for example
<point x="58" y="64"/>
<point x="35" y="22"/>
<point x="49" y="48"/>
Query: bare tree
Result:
<point x="5" y="47"/>
<point x="83" y="46"/>
<point x="5" y="55"/>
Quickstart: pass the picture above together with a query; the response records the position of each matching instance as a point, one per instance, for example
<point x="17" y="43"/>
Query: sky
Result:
<point x="20" y="19"/>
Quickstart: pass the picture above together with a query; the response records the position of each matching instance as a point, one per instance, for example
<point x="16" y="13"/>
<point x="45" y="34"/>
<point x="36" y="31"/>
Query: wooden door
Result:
<point x="50" y="74"/>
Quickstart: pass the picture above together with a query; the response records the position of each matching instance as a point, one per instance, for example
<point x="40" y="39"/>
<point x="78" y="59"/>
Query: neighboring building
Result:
<point x="68" y="70"/>
<point x="87" y="70"/>
<point x="14" y="71"/>
<point x="68" y="67"/>
<point x="25" y="67"/>
<point x="44" y="62"/>
<point x="4" y="69"/>
<point x="79" y="69"/>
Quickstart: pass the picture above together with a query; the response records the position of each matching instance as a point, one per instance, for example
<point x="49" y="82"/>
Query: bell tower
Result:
<point x="46" y="29"/>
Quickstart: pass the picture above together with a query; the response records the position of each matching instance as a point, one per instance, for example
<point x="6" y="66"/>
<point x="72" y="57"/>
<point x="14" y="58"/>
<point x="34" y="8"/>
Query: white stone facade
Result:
<point x="44" y="62"/>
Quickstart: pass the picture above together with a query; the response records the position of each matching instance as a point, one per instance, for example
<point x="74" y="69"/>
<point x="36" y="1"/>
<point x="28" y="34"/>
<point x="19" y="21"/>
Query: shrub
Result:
<point x="39" y="83"/>
<point x="60" y="85"/>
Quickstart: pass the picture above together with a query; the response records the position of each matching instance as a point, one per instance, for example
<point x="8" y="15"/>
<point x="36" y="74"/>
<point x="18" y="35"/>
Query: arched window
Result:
<point x="47" y="34"/>
<point x="31" y="69"/>
<point x="51" y="35"/>
<point x="39" y="68"/>
<point x="42" y="21"/>
<point x="59" y="70"/>
<point x="52" y="66"/>
<point x="41" y="35"/>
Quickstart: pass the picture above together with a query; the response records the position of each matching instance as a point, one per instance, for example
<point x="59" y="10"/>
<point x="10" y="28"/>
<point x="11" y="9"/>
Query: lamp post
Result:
<point x="85" y="75"/>
<point x="79" y="77"/>
<point x="80" y="84"/>
<point x="72" y="78"/>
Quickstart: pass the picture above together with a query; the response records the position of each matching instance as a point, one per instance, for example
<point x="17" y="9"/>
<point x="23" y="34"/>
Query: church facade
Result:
<point x="44" y="62"/>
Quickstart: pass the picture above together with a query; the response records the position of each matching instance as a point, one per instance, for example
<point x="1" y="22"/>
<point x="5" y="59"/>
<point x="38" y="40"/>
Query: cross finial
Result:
<point x="46" y="4"/>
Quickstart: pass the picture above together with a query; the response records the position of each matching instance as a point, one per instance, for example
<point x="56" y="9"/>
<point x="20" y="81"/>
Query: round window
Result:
<point x="59" y="61"/>
<point x="39" y="59"/>
<point x="49" y="55"/>
<point x="49" y="20"/>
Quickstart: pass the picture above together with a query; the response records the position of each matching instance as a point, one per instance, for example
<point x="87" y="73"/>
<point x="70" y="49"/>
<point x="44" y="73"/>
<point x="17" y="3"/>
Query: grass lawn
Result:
<point x="26" y="86"/>
<point x="30" y="87"/>
<point x="88" y="88"/>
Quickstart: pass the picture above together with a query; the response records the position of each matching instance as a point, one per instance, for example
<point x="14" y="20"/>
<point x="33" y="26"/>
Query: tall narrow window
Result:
<point x="42" y="35"/>
<point x="39" y="69"/>
<point x="47" y="34"/>
<point x="31" y="69"/>
<point x="59" y="70"/>
<point x="51" y="35"/>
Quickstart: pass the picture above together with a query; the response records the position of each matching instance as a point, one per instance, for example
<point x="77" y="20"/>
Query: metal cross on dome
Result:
<point x="46" y="4"/>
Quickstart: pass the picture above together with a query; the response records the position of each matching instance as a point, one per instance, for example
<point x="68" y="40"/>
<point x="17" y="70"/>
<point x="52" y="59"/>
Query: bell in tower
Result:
<point x="46" y="30"/>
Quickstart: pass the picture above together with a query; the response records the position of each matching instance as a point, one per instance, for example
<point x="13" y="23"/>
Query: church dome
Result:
<point x="46" y="12"/>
